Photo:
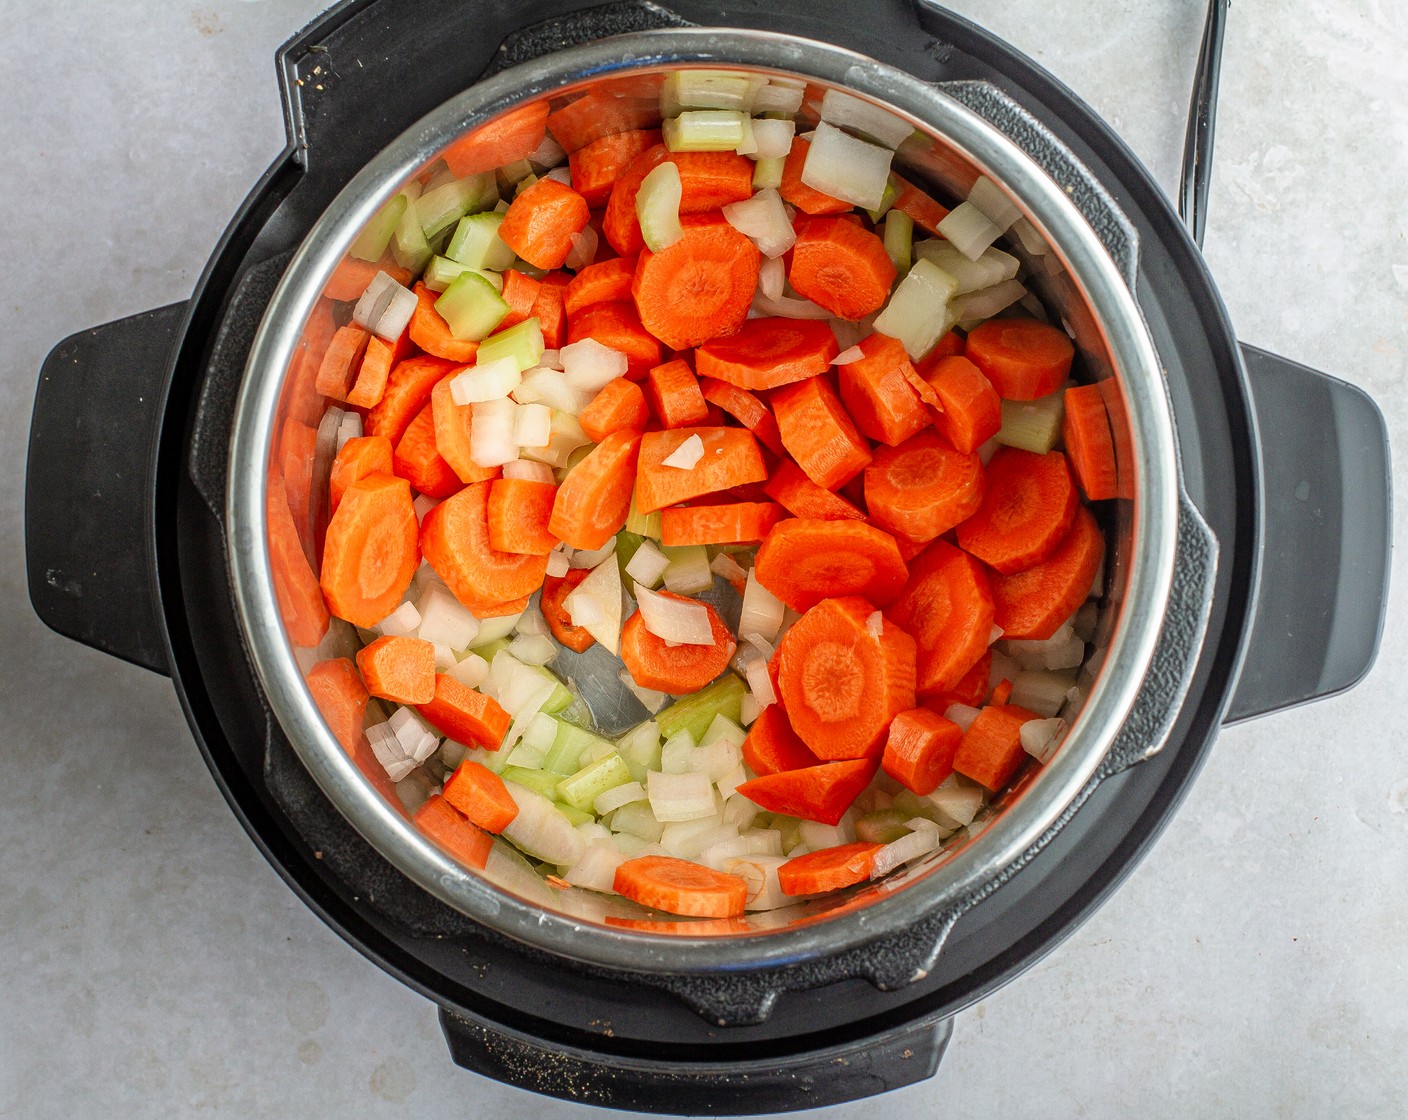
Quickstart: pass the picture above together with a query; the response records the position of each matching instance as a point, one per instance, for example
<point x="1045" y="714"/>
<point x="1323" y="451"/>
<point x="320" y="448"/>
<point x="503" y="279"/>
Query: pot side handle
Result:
<point x="1325" y="546"/>
<point x="766" y="1085"/>
<point x="88" y="516"/>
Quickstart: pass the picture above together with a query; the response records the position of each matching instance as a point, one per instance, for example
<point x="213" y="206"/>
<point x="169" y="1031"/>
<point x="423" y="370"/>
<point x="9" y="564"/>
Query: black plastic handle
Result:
<point x="88" y="520"/>
<point x="816" y="1079"/>
<point x="1326" y="525"/>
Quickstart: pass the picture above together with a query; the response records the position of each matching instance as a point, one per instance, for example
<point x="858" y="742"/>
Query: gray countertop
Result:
<point x="153" y="964"/>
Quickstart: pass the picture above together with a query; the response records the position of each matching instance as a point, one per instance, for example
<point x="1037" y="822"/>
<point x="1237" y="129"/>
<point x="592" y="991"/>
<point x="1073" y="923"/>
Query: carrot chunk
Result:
<point x="555" y="592"/>
<point x="359" y="457"/>
<point x="519" y="510"/>
<point x="379" y="360"/>
<point x="920" y="748"/>
<point x="708" y="181"/>
<point x="592" y="503"/>
<point x="1089" y="445"/>
<point x="680" y="669"/>
<point x="301" y="605"/>
<point x="842" y="267"/>
<point x="339" y="367"/>
<point x="699" y="287"/>
<point x="679" y="886"/>
<point x="802" y="562"/>
<point x="431" y="333"/>
<point x="829" y="869"/>
<point x="878" y="391"/>
<point x="819" y="434"/>
<point x="420" y="463"/>
<point x="972" y="410"/>
<point x="619" y="407"/>
<point x="520" y="293"/>
<point x="737" y="523"/>
<point x="370" y="551"/>
<point x="772" y="746"/>
<point x="800" y="496"/>
<point x="444" y="824"/>
<point x="605" y="282"/>
<point x="507" y="139"/>
<point x="800" y="195"/>
<point x="452" y="428"/>
<point x="480" y="794"/>
<point x="731" y="458"/>
<point x="947" y="605"/>
<point x="465" y="715"/>
<point x="674" y="395"/>
<point x="923" y="487"/>
<point x="550" y="310"/>
<point x="341" y="697"/>
<point x="814" y="793"/>
<point x="597" y="166"/>
<point x="455" y="539"/>
<point x="541" y="222"/>
<point x="927" y="213"/>
<point x="841" y="683"/>
<point x="407" y="391"/>
<point x="768" y="352"/>
<point x="744" y="407"/>
<point x="618" y="326"/>
<point x="1032" y="604"/>
<point x="1026" y="511"/>
<point x="972" y="688"/>
<point x="399" y="669"/>
<point x="1023" y="358"/>
<point x="351" y="277"/>
<point x="991" y="749"/>
<point x="602" y="113"/>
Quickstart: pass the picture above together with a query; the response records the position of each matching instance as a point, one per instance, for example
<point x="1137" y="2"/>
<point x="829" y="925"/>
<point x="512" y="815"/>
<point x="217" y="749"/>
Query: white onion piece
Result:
<point x="994" y="202"/>
<point x="1041" y="737"/>
<point x="1055" y="652"/>
<point x="388" y="751"/>
<point x="374" y="300"/>
<point x="1032" y="240"/>
<point x="687" y="839"/>
<point x="958" y="798"/>
<point x="762" y="611"/>
<point x="584" y="242"/>
<point x="774" y="98"/>
<point x="491" y="442"/>
<point x="528" y="471"/>
<point x="748" y="146"/>
<point x="647" y="565"/>
<point x="651" y="700"/>
<point x="563" y="176"/>
<point x="918" y="313"/>
<point x="589" y="366"/>
<point x="846" y="168"/>
<point x="672" y="620"/>
<point x="403" y="622"/>
<point x="491" y="381"/>
<point x="551" y="388"/>
<point x="760" y="683"/>
<point x="397" y="316"/>
<point x="729" y="783"/>
<point x="762" y="645"/>
<point x="772" y="138"/>
<point x="533" y="649"/>
<point x="680" y="797"/>
<point x="492" y="629"/>
<point x="726" y="567"/>
<point x="763" y="220"/>
<point x="903" y="850"/>
<point x="444" y="619"/>
<point x="993" y="266"/>
<point x="848" y="111"/>
<point x="423" y="505"/>
<point x="749" y="709"/>
<point x="772" y="278"/>
<point x="581" y="558"/>
<point x="816" y="835"/>
<point x="995" y="632"/>
<point x="551" y="359"/>
<point x="596" y="870"/>
<point x="846" y="357"/>
<point x="613" y="799"/>
<point x="962" y="715"/>
<point x="759" y="873"/>
<point x="740" y="811"/>
<point x="527" y="710"/>
<point x="875" y="624"/>
<point x="470" y="672"/>
<point x="1042" y="692"/>
<point x="557" y="564"/>
<point x="595" y="604"/>
<point x="686" y="456"/>
<point x="532" y="427"/>
<point x="1003" y="668"/>
<point x="348" y="427"/>
<point x="987" y="302"/>
<point x="637" y="820"/>
<point x="674" y="755"/>
<point x="968" y="230"/>
<point x="785" y="307"/>
<point x="540" y="829"/>
<point x="717" y="759"/>
<point x="547" y="154"/>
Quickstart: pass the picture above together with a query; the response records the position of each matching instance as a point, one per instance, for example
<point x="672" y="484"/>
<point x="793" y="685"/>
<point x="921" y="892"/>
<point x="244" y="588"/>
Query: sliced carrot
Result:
<point x="446" y="825"/>
<point x="480" y="794"/>
<point x="701" y="286"/>
<point x="298" y="445"/>
<point x="711" y="180"/>
<point x="674" y="395"/>
<point x="1089" y="445"/>
<point x="991" y="750"/>
<point x="519" y="509"/>
<point x="1034" y="603"/>
<point x="923" y="487"/>
<point x="769" y="352"/>
<point x="947" y="605"/>
<point x="680" y="886"/>
<point x="541" y="222"/>
<point x="841" y="683"/>
<point x="700" y="927"/>
<point x="407" y="392"/>
<point x="1023" y="358"/>
<point x="619" y="407"/>
<point x="592" y="503"/>
<point x="972" y="410"/>
<point x="606" y="282"/>
<point x="676" y="669"/>
<point x="1118" y="412"/>
<point x="910" y="549"/>
<point x="451" y="423"/>
<point x="520" y="293"/>
<point x="1026" y="510"/>
<point x="842" y="267"/>
<point x="455" y="540"/>
<point x="618" y="326"/>
<point x="878" y="391"/>
<point x="801" y="497"/>
<point x="399" y="669"/>
<point x="419" y="462"/>
<point x="772" y="746"/>
<point x="599" y="113"/>
<point x="738" y="523"/>
<point x="620" y="222"/>
<point x="301" y="605"/>
<point x="341" y="697"/>
<point x="370" y="552"/>
<point x="972" y="688"/>
<point x="302" y="397"/>
<point x="502" y="610"/>
<point x="747" y="409"/>
<point x="507" y="139"/>
<point x="432" y="334"/>
<point x="358" y="458"/>
<point x="351" y="277"/>
<point x="803" y="561"/>
<point x="338" y="370"/>
<point x="465" y="714"/>
<point x="1002" y="692"/>
<point x="731" y="458"/>
<point x="829" y="869"/>
<point x="800" y="195"/>
<point x="819" y="434"/>
<point x="926" y="213"/>
<point x="380" y="359"/>
<point x="555" y="592"/>
<point x="596" y="167"/>
<point x="814" y="793"/>
<point x="920" y="748"/>
<point x="550" y="310"/>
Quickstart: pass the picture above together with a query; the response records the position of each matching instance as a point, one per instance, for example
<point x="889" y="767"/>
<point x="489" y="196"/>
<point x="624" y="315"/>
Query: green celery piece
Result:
<point x="627" y="544"/>
<point x="721" y="727"/>
<point x="643" y="524"/>
<point x="471" y="307"/>
<point x="371" y="243"/>
<point x="768" y="173"/>
<point x="443" y="206"/>
<point x="703" y="130"/>
<point x="494" y="761"/>
<point x="488" y="649"/>
<point x="689" y="572"/>
<point x="561" y="697"/>
<point x="512" y="173"/>
<point x="899" y="240"/>
<point x="441" y="272"/>
<point x="587" y="784"/>
<point x="525" y="756"/>
<point x="409" y="245"/>
<point x="523" y="342"/>
<point x="887" y="200"/>
<point x="565" y="757"/>
<point x="695" y="713"/>
<point x="539" y="781"/>
<point x="882" y="827"/>
<point x="708" y="89"/>
<point x="477" y="243"/>
<point x="524" y="183"/>
<point x="640" y="747"/>
<point x="1033" y="425"/>
<point x="574" y="815"/>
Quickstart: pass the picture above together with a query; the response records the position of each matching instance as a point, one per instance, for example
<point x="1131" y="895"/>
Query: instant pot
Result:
<point x="1247" y="570"/>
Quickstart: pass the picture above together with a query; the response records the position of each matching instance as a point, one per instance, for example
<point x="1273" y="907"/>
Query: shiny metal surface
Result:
<point x="1077" y="278"/>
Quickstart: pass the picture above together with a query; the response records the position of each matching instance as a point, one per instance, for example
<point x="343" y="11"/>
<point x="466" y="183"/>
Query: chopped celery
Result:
<point x="489" y="649"/>
<point x="658" y="207"/>
<point x="643" y="524"/>
<point x="529" y="758"/>
<point x="1033" y="425"/>
<point x="884" y="826"/>
<point x="918" y="313"/>
<point x="539" y="781"/>
<point x="444" y="205"/>
<point x="993" y="267"/>
<point x="636" y="819"/>
<point x="708" y="89"/>
<point x="409" y="246"/>
<point x="899" y="239"/>
<point x="371" y="243"/>
<point x="887" y="200"/>
<point x="524" y="183"/>
<point x="495" y="761"/>
<point x="522" y="342"/>
<point x="476" y="242"/>
<point x="590" y="782"/>
<point x="789" y="829"/>
<point x="571" y="743"/>
<point x="511" y="173"/>
<point x="722" y="728"/>
<point x="561" y="696"/>
<point x="703" y="130"/>
<point x="689" y="572"/>
<point x="471" y="308"/>
<point x="574" y="815"/>
<point x="695" y="713"/>
<point x="441" y="272"/>
<point x="627" y="543"/>
<point x="768" y="173"/>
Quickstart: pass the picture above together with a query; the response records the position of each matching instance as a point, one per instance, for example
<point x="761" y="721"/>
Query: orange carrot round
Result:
<point x="736" y="523"/>
<point x="1023" y="358"/>
<point x="679" y="886"/>
<point x="1026" y="510"/>
<point x="947" y="606"/>
<point x="991" y="750"/>
<point x="731" y="458"/>
<point x="301" y="600"/>
<point x="540" y="223"/>
<point x="772" y="746"/>
<point x="377" y="363"/>
<point x="520" y="292"/>
<point x="841" y="683"/>
<point x="341" y="696"/>
<point x="819" y="434"/>
<point x="550" y="310"/>
<point x="972" y="410"/>
<point x="602" y="112"/>
<point x="744" y="407"/>
<point x="407" y="391"/>
<point x="341" y="360"/>
<point x="417" y="458"/>
<point x="803" y="561"/>
<point x="800" y="496"/>
<point x="506" y="139"/>
<point x="923" y="487"/>
<point x="605" y="282"/>
<point x="555" y="592"/>
<point x="519" y="510"/>
<point x="842" y="267"/>
<point x="370" y="551"/>
<point x="1089" y="445"/>
<point x="1033" y="604"/>
<point x="700" y="287"/>
<point x="711" y="180"/>
<point x="927" y="213"/>
<point x="592" y="503"/>
<point x="358" y="457"/>
<point x="678" y="670"/>
<point x="619" y="407"/>
<point x="597" y="166"/>
<point x="768" y="352"/>
<point x="920" y="748"/>
<point x="399" y="669"/>
<point x="617" y="325"/>
<point x="446" y="825"/>
<point x="674" y="395"/>
<point x="351" y="277"/>
<point x="455" y="540"/>
<point x="972" y="688"/>
<point x="480" y="794"/>
<point x="878" y="392"/>
<point x="465" y="714"/>
<point x="814" y="793"/>
<point x="829" y="869"/>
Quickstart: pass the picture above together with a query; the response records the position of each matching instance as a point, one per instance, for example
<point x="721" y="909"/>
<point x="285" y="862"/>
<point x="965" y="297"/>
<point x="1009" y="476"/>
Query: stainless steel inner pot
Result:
<point x="1078" y="280"/>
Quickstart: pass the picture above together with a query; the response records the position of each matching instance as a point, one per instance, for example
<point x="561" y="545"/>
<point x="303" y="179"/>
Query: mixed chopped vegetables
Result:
<point x="662" y="380"/>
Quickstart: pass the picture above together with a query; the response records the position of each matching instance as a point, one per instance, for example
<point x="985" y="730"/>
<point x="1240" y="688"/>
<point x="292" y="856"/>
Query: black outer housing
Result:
<point x="514" y="1013"/>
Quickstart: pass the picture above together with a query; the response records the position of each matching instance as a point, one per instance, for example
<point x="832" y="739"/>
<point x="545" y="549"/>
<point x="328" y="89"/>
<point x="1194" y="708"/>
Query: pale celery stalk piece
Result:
<point x="689" y="572"/>
<point x="778" y="97"/>
<point x="1033" y="425"/>
<point x="476" y="243"/>
<point x="409" y="245"/>
<point x="899" y="240"/>
<point x="887" y="200"/>
<point x="371" y="243"/>
<point x="918" y="312"/>
<point x="538" y="780"/>
<point x="768" y="173"/>
<point x="587" y="784"/>
<point x="643" y="524"/>
<point x="709" y="89"/>
<point x="847" y="168"/>
<point x="523" y="342"/>
<point x="471" y="307"/>
<point x="658" y="207"/>
<point x="992" y="267"/>
<point x="703" y="130"/>
<point x="571" y="743"/>
<point x="969" y="230"/>
<point x="441" y="207"/>
<point x="441" y="272"/>
<point x="695" y="713"/>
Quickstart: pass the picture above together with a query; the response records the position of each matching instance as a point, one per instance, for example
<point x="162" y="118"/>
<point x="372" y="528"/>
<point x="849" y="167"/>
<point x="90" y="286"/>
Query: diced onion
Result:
<point x="551" y="359"/>
<point x="846" y="168"/>
<point x="760" y="683"/>
<point x="349" y="427"/>
<point x="385" y="308"/>
<point x="651" y="700"/>
<point x="613" y="799"/>
<point x="774" y="98"/>
<point x="528" y="471"/>
<point x="906" y="848"/>
<point x="772" y="139"/>
<point x="687" y="455"/>
<point x="540" y="830"/>
<point x="958" y="798"/>
<point x="471" y="672"/>
<point x="762" y="611"/>
<point x="596" y="870"/>
<point x="551" y="388"/>
<point x="532" y="427"/>
<point x="533" y="649"/>
<point x="557" y="564"/>
<point x="749" y="709"/>
<point x="423" y="505"/>
<point x="785" y="307"/>
<point x="763" y="219"/>
<point x="674" y="754"/>
<point x="588" y="365"/>
<point x="672" y="620"/>
<point x="1030" y="237"/>
<point x="961" y="714"/>
<point x="584" y="242"/>
<point x="1063" y="650"/>
<point x="987" y="302"/>
<point x="994" y="203"/>
<point x="403" y="622"/>
<point x="582" y="558"/>
<point x="595" y="604"/>
<point x="680" y="797"/>
<point x="726" y="567"/>
<point x="875" y="624"/>
<point x="772" y="278"/>
<point x="491" y="425"/>
<point x="444" y="619"/>
<point x="969" y="230"/>
<point x="1041" y="691"/>
<point x="491" y="381"/>
<point x="847" y="356"/>
<point x="492" y="629"/>
<point x="918" y="313"/>
<point x="648" y="565"/>
<point x="689" y="572"/>
<point x="848" y="111"/>
<point x="567" y="436"/>
<point x="993" y="266"/>
<point x="1041" y="737"/>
